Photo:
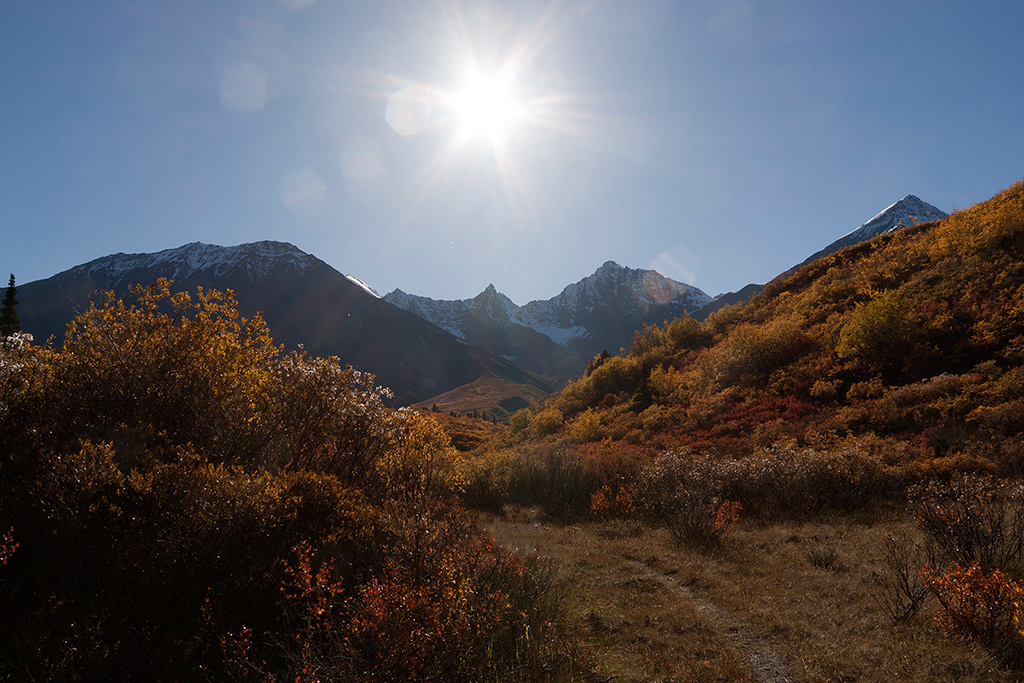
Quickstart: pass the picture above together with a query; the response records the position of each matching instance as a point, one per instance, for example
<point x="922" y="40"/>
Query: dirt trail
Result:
<point x="766" y="665"/>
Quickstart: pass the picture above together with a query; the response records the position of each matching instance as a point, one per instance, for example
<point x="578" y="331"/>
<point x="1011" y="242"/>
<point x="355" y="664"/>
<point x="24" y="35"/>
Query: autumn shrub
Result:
<point x="879" y="333"/>
<point x="419" y="469"/>
<point x="751" y="352"/>
<point x="151" y="380"/>
<point x="685" y="494"/>
<point x="685" y="333"/>
<point x="7" y="545"/>
<point x="559" y="477"/>
<point x="468" y="611"/>
<point x="547" y="421"/>
<point x="160" y="470"/>
<point x="985" y="606"/>
<point x="520" y="420"/>
<point x="973" y="519"/>
<point x="666" y="384"/>
<point x="145" y="572"/>
<point x="327" y="418"/>
<point x="620" y="503"/>
<point x="616" y="375"/>
<point x="585" y="427"/>
<point x="787" y="480"/>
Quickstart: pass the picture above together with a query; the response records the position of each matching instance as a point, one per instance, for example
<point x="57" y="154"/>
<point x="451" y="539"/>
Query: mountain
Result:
<point x="303" y="300"/>
<point x="908" y="211"/>
<point x="558" y="336"/>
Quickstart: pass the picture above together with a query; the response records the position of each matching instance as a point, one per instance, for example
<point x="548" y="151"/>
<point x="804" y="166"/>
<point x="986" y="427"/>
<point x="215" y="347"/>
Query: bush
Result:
<point x="686" y="495"/>
<point x="972" y="519"/>
<point x="983" y="606"/>
<point x="560" y="477"/>
<point x="520" y="420"/>
<point x="547" y="421"/>
<point x="586" y="427"/>
<point x="158" y="472"/>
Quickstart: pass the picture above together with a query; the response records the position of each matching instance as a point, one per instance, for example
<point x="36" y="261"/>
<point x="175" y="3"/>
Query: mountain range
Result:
<point x="303" y="301"/>
<point x="417" y="346"/>
<point x="559" y="336"/>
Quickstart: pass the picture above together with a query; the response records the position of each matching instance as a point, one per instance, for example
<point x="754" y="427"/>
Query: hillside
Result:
<point x="820" y="484"/>
<point x="916" y="334"/>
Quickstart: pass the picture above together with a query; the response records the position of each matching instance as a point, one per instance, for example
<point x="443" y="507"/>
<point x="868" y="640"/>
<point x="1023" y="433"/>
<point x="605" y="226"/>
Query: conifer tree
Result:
<point x="9" y="323"/>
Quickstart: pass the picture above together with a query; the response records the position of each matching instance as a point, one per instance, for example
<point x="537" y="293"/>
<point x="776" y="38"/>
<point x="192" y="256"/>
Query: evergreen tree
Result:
<point x="9" y="323"/>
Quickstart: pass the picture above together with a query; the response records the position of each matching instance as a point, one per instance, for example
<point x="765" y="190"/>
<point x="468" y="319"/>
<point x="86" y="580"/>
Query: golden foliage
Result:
<point x="162" y="467"/>
<point x="547" y="421"/>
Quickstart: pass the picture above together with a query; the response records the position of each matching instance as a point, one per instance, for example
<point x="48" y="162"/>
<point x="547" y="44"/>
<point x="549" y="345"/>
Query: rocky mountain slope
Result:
<point x="559" y="336"/>
<point x="303" y="300"/>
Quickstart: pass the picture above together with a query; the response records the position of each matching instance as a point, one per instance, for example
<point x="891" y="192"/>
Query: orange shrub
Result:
<point x="7" y="546"/>
<point x="973" y="604"/>
<point x="606" y="505"/>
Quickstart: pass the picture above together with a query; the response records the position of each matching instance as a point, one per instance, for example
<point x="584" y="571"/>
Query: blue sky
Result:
<point x="717" y="142"/>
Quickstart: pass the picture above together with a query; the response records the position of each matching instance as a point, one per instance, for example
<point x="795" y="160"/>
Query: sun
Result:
<point x="486" y="108"/>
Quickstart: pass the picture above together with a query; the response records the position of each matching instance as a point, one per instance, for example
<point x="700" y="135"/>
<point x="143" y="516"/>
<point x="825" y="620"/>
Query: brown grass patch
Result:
<point x="651" y="611"/>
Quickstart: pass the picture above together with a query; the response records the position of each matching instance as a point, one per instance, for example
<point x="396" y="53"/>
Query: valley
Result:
<point x="817" y="484"/>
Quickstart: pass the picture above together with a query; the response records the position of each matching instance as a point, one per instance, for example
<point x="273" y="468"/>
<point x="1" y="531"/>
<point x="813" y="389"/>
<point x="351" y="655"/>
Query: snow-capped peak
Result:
<point x="611" y="288"/>
<point x="908" y="211"/>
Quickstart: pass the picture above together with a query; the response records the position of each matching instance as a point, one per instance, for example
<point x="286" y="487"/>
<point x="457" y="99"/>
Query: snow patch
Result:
<point x="362" y="285"/>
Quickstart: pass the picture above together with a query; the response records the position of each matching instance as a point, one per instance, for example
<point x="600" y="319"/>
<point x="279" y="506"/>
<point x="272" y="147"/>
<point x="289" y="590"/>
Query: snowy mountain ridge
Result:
<point x="908" y="211"/>
<point x="624" y="291"/>
<point x="255" y="259"/>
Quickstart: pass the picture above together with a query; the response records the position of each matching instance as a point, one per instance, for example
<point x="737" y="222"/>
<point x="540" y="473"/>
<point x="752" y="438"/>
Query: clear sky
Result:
<point x="438" y="147"/>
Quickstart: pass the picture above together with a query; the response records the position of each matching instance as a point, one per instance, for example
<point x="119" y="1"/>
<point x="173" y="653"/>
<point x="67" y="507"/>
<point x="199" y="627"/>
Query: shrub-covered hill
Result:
<point x="181" y="501"/>
<point x="917" y="336"/>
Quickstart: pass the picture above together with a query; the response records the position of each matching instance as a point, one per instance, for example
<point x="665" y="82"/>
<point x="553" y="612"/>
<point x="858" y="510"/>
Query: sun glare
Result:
<point x="485" y="107"/>
<point x="492" y="113"/>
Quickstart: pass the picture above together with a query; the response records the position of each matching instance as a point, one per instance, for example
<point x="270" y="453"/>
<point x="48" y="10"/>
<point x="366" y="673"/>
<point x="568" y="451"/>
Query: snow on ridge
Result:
<point x="642" y="289"/>
<point x="362" y="285"/>
<point x="561" y="318"/>
<point x="180" y="262"/>
<point x="907" y="211"/>
<point x="450" y="316"/>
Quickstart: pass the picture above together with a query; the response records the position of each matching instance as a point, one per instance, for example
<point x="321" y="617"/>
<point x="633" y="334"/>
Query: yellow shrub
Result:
<point x="586" y="427"/>
<point x="547" y="421"/>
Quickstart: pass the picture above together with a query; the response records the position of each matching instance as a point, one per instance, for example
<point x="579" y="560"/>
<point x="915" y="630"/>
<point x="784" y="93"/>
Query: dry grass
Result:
<point x="769" y="603"/>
